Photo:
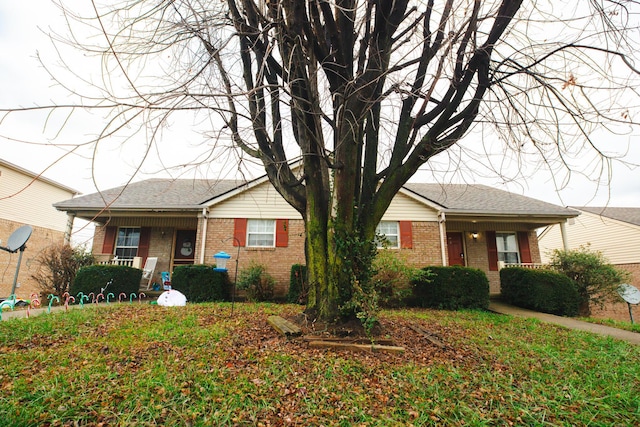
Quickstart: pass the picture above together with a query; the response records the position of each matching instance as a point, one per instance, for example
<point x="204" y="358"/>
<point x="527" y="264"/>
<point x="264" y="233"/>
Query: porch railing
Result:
<point x="532" y="265"/>
<point x="135" y="262"/>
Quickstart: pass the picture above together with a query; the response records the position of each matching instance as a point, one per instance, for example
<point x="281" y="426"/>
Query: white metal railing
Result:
<point x="531" y="265"/>
<point x="136" y="262"/>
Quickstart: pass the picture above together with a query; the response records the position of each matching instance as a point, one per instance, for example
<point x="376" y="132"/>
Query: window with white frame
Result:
<point x="127" y="242"/>
<point x="261" y="233"/>
<point x="388" y="233"/>
<point x="507" y="244"/>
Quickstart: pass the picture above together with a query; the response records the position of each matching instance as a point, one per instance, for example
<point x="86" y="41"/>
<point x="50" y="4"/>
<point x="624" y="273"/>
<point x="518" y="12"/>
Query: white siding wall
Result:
<point x="27" y="202"/>
<point x="618" y="241"/>
<point x="404" y="208"/>
<point x="263" y="201"/>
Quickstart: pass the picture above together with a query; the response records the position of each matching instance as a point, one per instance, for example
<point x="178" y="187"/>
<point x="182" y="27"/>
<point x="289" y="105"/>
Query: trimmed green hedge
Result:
<point x="115" y="278"/>
<point x="540" y="290"/>
<point x="200" y="283"/>
<point x="298" y="286"/>
<point x="452" y="288"/>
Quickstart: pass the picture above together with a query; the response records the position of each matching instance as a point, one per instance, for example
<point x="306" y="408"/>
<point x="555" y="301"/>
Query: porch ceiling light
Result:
<point x="221" y="259"/>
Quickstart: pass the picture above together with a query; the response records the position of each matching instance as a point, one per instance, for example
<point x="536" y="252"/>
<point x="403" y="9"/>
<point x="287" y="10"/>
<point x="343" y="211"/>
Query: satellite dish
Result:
<point x="18" y="238"/>
<point x="629" y="293"/>
<point x="16" y="243"/>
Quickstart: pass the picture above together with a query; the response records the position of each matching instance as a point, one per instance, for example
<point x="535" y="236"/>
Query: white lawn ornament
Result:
<point x="172" y="298"/>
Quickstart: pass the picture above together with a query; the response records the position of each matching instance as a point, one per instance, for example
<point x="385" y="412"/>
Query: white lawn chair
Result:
<point x="149" y="268"/>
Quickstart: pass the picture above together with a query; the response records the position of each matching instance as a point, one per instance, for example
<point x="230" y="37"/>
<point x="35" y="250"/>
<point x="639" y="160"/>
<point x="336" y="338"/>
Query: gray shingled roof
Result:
<point x="154" y="194"/>
<point x="192" y="194"/>
<point x="628" y="215"/>
<point x="479" y="199"/>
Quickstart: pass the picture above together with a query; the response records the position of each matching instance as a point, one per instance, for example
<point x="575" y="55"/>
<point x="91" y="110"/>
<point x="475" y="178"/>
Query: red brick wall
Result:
<point x="278" y="261"/>
<point x="426" y="245"/>
<point x="620" y="310"/>
<point x="40" y="239"/>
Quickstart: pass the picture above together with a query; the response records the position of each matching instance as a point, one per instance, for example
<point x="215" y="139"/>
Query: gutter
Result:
<point x="442" y="219"/>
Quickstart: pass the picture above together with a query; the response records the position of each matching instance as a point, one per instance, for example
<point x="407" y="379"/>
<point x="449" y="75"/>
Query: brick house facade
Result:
<point x="251" y="222"/>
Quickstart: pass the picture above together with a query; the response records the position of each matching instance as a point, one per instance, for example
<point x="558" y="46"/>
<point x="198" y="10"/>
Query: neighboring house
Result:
<point x="188" y="221"/>
<point x="27" y="198"/>
<point x="613" y="231"/>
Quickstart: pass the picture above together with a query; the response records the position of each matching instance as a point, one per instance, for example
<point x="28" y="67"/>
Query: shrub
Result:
<point x="200" y="283"/>
<point x="540" y="290"/>
<point x="256" y="282"/>
<point x="597" y="281"/>
<point x="452" y="288"/>
<point x="298" y="285"/>
<point x="58" y="266"/>
<point x="115" y="279"/>
<point x="393" y="277"/>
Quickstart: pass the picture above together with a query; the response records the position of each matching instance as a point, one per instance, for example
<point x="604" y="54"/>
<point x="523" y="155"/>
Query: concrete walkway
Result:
<point x="568" y="322"/>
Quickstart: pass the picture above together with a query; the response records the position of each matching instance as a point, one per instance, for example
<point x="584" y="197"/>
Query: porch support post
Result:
<point x="563" y="232"/>
<point x="203" y="233"/>
<point x="67" y="232"/>
<point x="443" y="237"/>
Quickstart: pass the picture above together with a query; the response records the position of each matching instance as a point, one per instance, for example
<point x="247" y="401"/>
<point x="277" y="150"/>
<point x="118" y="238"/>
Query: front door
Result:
<point x="184" y="251"/>
<point x="455" y="249"/>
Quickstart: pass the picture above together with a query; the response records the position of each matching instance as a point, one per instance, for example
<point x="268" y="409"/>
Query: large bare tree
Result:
<point x="342" y="101"/>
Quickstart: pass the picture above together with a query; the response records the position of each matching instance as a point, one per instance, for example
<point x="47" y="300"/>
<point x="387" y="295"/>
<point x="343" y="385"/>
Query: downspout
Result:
<point x="563" y="232"/>
<point x="443" y="233"/>
<point x="203" y="238"/>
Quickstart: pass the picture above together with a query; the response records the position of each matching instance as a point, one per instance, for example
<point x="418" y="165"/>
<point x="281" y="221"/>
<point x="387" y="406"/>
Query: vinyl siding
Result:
<point x="405" y="208"/>
<point x="262" y="201"/>
<point x="618" y="241"/>
<point x="30" y="202"/>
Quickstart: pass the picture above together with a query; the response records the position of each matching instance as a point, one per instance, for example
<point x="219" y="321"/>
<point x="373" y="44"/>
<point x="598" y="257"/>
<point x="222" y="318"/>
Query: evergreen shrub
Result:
<point x="201" y="283"/>
<point x="115" y="279"/>
<point x="540" y="290"/>
<point x="298" y="285"/>
<point x="452" y="288"/>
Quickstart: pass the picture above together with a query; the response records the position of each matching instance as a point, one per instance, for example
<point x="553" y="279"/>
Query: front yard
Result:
<point x="138" y="364"/>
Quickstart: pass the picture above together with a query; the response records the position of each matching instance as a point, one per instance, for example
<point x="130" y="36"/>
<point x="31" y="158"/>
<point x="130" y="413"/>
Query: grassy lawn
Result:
<point x="123" y="364"/>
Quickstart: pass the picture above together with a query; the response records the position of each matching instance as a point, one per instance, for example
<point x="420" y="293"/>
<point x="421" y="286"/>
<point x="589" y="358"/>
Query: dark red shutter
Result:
<point x="282" y="233"/>
<point x="109" y="242"/>
<point x="523" y="245"/>
<point x="492" y="250"/>
<point x="240" y="232"/>
<point x="143" y="243"/>
<point x="406" y="235"/>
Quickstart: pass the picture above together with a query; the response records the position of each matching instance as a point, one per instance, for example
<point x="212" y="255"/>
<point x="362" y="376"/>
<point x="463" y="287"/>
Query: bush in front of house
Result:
<point x="105" y="279"/>
<point x="452" y="288"/>
<point x="539" y="290"/>
<point x="58" y="266"/>
<point x="298" y="285"/>
<point x="596" y="280"/>
<point x="257" y="283"/>
<point x="392" y="278"/>
<point x="201" y="283"/>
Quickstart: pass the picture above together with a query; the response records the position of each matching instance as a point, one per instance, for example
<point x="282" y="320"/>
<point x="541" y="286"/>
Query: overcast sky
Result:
<point x="23" y="82"/>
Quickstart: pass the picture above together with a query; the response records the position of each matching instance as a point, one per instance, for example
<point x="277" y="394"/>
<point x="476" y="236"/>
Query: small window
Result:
<point x="507" y="244"/>
<point x="127" y="242"/>
<point x="388" y="234"/>
<point x="261" y="233"/>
